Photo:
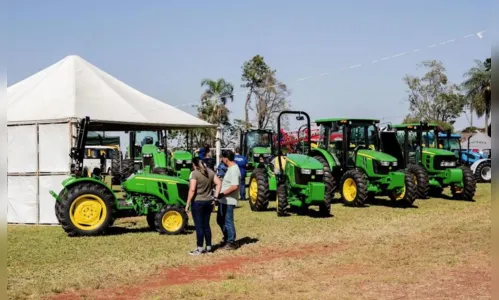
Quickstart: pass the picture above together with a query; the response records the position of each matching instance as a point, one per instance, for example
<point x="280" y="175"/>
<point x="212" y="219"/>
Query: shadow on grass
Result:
<point x="450" y="198"/>
<point x="119" y="230"/>
<point x="389" y="203"/>
<point x="240" y="242"/>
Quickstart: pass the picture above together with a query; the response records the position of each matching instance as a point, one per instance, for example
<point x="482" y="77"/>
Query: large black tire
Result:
<point x="282" y="200"/>
<point x="83" y="196"/>
<point x="353" y="188"/>
<point x="116" y="161"/>
<point x="260" y="200"/>
<point x="469" y="186"/>
<point x="175" y="222"/>
<point x="151" y="221"/>
<point x="409" y="195"/>
<point x="418" y="174"/>
<point x="127" y="169"/>
<point x="484" y="167"/>
<point x="330" y="183"/>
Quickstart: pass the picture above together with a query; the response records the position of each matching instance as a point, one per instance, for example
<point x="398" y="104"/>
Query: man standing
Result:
<point x="241" y="162"/>
<point x="228" y="201"/>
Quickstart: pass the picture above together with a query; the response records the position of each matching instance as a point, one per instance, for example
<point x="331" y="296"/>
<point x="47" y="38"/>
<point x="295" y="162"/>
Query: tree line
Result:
<point x="431" y="97"/>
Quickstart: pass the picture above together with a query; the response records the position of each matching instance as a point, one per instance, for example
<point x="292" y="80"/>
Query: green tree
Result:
<point x="478" y="91"/>
<point x="432" y="97"/>
<point x="444" y="125"/>
<point x="270" y="101"/>
<point x="255" y="73"/>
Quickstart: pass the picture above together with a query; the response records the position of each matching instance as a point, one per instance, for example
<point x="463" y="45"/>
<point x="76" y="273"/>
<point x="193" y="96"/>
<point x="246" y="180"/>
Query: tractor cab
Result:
<point x="257" y="147"/>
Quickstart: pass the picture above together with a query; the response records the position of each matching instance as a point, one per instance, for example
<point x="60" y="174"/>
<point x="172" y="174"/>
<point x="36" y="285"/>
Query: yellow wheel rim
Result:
<point x="400" y="195"/>
<point x="253" y="190"/>
<point x="349" y="190"/>
<point x="88" y="212"/>
<point x="172" y="221"/>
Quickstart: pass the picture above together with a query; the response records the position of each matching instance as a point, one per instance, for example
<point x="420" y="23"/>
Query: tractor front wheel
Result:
<point x="408" y="193"/>
<point x="467" y="192"/>
<point x="421" y="179"/>
<point x="282" y="200"/>
<point x="353" y="188"/>
<point x="483" y="172"/>
<point x="86" y="209"/>
<point x="259" y="190"/>
<point x="151" y="220"/>
<point x="171" y="220"/>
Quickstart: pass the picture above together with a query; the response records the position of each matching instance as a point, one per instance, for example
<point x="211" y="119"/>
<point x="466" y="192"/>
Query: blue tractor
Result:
<point x="479" y="163"/>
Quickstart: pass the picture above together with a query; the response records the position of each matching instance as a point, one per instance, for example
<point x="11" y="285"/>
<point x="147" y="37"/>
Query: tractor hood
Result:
<point x="304" y="162"/>
<point x="437" y="152"/>
<point x="261" y="150"/>
<point x="376" y="155"/>
<point x="181" y="154"/>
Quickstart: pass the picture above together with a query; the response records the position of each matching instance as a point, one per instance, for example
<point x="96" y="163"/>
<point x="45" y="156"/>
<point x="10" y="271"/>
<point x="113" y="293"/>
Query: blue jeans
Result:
<point x="201" y="213"/>
<point x="225" y="219"/>
<point x="242" y="187"/>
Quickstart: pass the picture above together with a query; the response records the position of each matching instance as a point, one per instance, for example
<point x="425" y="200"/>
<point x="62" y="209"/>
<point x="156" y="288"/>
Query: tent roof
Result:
<point x="479" y="141"/>
<point x="73" y="88"/>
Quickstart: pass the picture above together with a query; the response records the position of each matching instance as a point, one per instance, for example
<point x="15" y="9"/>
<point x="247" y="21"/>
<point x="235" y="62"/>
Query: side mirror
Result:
<point x="300" y="118"/>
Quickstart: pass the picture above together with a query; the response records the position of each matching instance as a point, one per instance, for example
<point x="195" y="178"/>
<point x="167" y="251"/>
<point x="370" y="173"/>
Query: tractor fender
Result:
<point x="477" y="163"/>
<point x="327" y="156"/>
<point x="72" y="181"/>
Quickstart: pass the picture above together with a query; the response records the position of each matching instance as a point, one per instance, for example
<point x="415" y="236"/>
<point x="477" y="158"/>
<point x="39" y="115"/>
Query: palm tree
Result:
<point x="214" y="100"/>
<point x="477" y="87"/>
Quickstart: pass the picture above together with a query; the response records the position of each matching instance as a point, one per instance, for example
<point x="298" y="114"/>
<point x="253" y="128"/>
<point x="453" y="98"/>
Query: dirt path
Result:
<point x="185" y="274"/>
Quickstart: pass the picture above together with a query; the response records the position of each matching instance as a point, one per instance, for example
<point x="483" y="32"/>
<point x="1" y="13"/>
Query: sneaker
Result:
<point x="197" y="252"/>
<point x="208" y="249"/>
<point x="230" y="246"/>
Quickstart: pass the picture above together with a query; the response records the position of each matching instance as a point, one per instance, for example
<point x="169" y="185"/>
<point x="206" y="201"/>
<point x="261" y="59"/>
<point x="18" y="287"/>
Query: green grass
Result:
<point x="393" y="246"/>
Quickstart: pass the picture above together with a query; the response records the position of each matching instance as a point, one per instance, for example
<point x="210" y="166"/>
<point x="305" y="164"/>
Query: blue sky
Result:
<point x="164" y="48"/>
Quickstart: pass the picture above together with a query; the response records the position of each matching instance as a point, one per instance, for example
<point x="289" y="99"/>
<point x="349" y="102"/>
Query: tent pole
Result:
<point x="217" y="143"/>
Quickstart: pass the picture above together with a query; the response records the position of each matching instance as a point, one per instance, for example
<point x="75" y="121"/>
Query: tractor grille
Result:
<point x="304" y="179"/>
<point x="183" y="191"/>
<point x="379" y="169"/>
<point x="181" y="166"/>
<point x="437" y="160"/>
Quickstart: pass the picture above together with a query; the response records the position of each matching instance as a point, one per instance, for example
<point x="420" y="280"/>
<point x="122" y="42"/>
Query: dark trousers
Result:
<point x="242" y="187"/>
<point x="225" y="219"/>
<point x="201" y="213"/>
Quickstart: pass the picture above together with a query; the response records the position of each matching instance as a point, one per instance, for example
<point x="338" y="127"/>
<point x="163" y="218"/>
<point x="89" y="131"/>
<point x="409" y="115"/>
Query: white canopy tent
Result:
<point x="41" y="115"/>
<point x="479" y="141"/>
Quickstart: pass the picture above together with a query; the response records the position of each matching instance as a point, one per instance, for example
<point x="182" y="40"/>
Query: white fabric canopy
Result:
<point x="478" y="141"/>
<point x="74" y="88"/>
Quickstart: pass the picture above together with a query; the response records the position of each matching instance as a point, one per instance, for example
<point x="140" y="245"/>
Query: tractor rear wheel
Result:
<point x="116" y="160"/>
<point x="127" y="169"/>
<point x="408" y="194"/>
<point x="483" y="173"/>
<point x="86" y="209"/>
<point x="421" y="179"/>
<point x="469" y="186"/>
<point x="353" y="188"/>
<point x="171" y="220"/>
<point x="259" y="190"/>
<point x="330" y="184"/>
<point x="282" y="200"/>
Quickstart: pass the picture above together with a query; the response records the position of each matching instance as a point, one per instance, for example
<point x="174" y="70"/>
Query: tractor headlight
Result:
<point x="319" y="172"/>
<point x="266" y="155"/>
<point x="178" y="161"/>
<point x="306" y="171"/>
<point x="384" y="163"/>
<point x="448" y="164"/>
<point x="394" y="164"/>
<point x="188" y="161"/>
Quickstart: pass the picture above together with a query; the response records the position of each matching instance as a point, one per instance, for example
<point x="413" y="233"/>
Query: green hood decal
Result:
<point x="261" y="150"/>
<point x="304" y="162"/>
<point x="437" y="152"/>
<point x="181" y="154"/>
<point x="376" y="155"/>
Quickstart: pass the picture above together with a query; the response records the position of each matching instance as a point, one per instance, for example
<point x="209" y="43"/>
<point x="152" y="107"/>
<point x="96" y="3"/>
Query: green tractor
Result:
<point x="155" y="157"/>
<point x="432" y="169"/>
<point x="88" y="206"/>
<point x="300" y="177"/>
<point x="354" y="165"/>
<point x="257" y="147"/>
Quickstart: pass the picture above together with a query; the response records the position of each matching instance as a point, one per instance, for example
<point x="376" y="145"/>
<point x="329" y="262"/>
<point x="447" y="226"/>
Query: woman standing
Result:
<point x="200" y="199"/>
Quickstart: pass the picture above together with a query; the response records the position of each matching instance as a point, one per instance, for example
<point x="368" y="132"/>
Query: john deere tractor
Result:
<point x="155" y="157"/>
<point x="88" y="206"/>
<point x="354" y="165"/>
<point x="430" y="166"/>
<point x="300" y="177"/>
<point x="257" y="147"/>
